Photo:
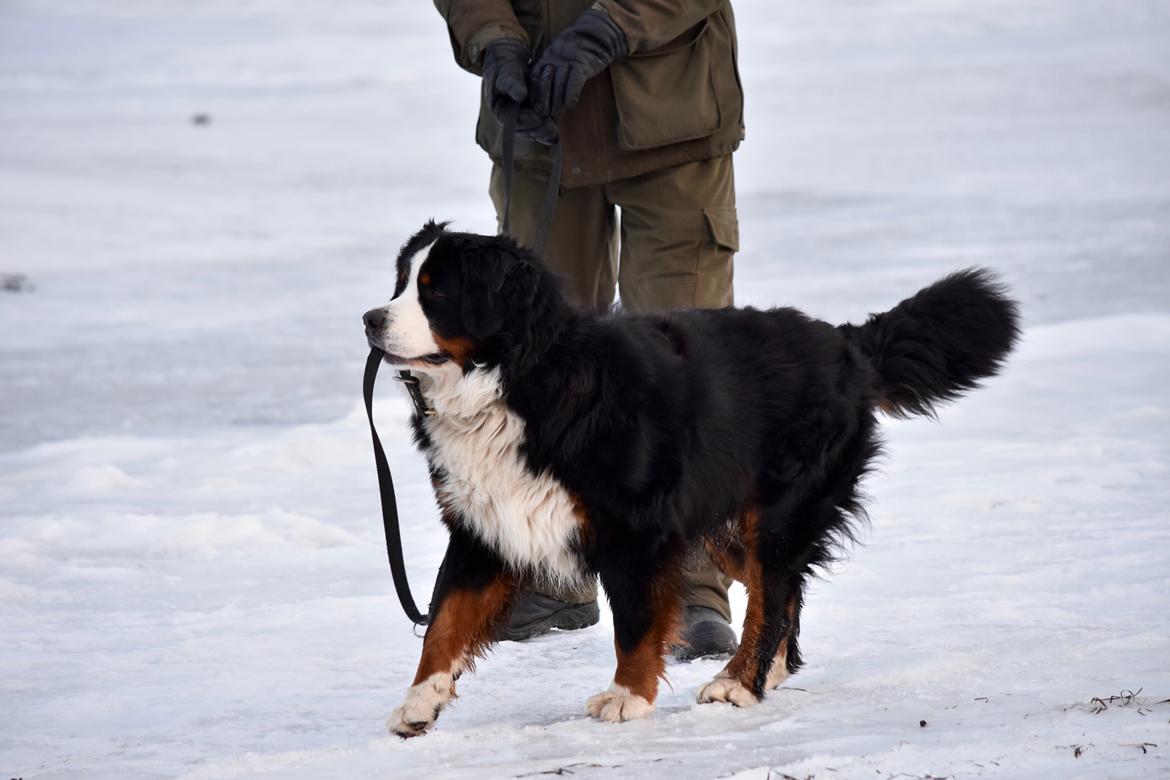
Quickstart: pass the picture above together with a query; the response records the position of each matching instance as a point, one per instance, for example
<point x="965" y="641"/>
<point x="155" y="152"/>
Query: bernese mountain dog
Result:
<point x="567" y="443"/>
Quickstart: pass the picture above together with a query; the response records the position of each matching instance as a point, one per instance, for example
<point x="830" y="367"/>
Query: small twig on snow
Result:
<point x="1140" y="746"/>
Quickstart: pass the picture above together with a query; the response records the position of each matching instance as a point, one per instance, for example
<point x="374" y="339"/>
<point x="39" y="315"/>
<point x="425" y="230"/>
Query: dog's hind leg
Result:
<point x="770" y="624"/>
<point x="473" y="594"/>
<point x="786" y="660"/>
<point x="647" y="604"/>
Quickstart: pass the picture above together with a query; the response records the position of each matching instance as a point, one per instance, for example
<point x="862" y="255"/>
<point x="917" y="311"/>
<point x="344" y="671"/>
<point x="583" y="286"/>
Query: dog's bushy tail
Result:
<point x="939" y="344"/>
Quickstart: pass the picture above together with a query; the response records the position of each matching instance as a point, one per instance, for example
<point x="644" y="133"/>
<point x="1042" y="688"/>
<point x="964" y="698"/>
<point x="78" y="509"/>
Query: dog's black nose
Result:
<point x="374" y="318"/>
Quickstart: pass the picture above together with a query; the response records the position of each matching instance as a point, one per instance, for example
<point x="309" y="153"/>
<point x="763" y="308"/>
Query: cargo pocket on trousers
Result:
<point x="723" y="222"/>
<point x="717" y="258"/>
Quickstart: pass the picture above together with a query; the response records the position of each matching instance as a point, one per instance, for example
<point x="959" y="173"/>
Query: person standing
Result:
<point x="644" y="97"/>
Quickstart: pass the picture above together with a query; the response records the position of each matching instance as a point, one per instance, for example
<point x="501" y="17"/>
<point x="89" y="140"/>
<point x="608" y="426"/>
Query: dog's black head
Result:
<point x="463" y="299"/>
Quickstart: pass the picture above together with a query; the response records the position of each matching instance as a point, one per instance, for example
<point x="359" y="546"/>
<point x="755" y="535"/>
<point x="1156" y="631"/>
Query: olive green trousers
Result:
<point x="663" y="240"/>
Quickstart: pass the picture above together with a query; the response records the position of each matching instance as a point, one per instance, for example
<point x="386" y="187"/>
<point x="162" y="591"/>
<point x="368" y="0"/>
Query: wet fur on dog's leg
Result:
<point x="473" y="595"/>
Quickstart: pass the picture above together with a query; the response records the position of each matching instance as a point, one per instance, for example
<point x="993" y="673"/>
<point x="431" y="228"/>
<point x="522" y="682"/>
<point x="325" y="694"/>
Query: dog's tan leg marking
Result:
<point x="738" y="560"/>
<point x="733" y="684"/>
<point x="635" y="683"/>
<point x="461" y="629"/>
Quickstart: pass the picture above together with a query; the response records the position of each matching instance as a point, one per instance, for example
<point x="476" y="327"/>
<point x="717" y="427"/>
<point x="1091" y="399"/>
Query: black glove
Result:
<point x="505" y="80"/>
<point x="505" y="68"/>
<point x="582" y="50"/>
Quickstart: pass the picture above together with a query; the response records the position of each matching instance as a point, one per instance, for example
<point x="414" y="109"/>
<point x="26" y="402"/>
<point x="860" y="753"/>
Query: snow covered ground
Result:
<point x="192" y="579"/>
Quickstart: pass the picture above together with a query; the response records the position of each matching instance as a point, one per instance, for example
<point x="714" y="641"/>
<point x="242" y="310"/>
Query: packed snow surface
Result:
<point x="202" y="199"/>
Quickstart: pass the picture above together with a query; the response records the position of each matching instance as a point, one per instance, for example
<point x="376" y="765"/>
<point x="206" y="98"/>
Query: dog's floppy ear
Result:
<point x="499" y="281"/>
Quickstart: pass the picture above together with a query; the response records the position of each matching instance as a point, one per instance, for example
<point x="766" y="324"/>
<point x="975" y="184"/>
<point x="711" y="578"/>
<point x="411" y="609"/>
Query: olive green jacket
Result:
<point x="675" y="99"/>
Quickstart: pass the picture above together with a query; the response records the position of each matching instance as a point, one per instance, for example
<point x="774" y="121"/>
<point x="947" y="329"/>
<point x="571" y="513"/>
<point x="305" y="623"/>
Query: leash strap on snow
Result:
<point x="385" y="481"/>
<point x="548" y="208"/>
<point x="386" y="490"/>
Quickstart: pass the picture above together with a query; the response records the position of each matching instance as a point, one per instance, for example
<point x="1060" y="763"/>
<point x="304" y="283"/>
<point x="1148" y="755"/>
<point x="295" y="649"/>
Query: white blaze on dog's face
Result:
<point x="407" y="332"/>
<point x="401" y="328"/>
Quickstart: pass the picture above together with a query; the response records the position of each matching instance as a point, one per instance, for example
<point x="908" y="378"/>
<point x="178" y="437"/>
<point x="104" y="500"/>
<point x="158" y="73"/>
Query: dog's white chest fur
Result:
<point x="528" y="519"/>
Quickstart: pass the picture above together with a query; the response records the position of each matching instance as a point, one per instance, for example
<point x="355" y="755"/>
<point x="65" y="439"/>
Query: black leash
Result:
<point x="385" y="480"/>
<point x="389" y="504"/>
<point x="548" y="207"/>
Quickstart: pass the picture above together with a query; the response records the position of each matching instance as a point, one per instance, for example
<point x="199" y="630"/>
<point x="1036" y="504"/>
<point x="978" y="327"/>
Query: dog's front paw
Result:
<point x="618" y="705"/>
<point x="727" y="689"/>
<point x="423" y="704"/>
<point x="405" y="722"/>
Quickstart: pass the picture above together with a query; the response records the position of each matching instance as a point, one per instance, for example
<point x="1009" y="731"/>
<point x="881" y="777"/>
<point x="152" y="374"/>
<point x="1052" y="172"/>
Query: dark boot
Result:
<point x="705" y="634"/>
<point x="536" y="614"/>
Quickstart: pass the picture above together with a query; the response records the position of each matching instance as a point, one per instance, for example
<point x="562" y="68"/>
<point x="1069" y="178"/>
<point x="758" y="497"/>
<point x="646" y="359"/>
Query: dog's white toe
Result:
<point x="422" y="706"/>
<point x="618" y="705"/>
<point x="729" y="690"/>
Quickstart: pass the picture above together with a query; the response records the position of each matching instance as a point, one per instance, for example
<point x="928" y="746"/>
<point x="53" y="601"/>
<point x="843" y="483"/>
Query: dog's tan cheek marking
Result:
<point x="460" y="348"/>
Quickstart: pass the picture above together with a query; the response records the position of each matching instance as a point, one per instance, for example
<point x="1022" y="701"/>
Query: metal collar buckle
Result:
<point x="416" y="396"/>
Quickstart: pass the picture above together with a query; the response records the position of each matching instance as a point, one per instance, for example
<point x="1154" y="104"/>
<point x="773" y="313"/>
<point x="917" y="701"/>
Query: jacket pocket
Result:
<point x="668" y="95"/>
<point x="724" y="226"/>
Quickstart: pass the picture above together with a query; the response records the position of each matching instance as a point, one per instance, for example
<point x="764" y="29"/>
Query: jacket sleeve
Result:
<point x="472" y="24"/>
<point x="649" y="24"/>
